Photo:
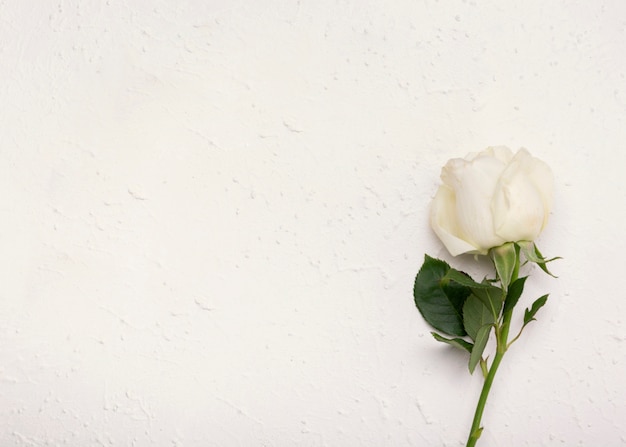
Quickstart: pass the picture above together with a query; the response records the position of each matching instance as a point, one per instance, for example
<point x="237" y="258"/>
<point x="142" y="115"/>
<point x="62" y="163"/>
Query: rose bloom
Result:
<point x="490" y="198"/>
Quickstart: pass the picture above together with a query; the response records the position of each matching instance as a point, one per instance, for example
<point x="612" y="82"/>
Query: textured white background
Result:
<point x="213" y="212"/>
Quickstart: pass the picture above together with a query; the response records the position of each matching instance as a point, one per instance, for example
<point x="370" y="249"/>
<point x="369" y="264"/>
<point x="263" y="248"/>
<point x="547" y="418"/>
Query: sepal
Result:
<point x="506" y="260"/>
<point x="532" y="254"/>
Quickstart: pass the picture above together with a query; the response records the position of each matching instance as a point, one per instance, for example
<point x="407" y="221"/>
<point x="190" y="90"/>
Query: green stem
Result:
<point x="502" y="333"/>
<point x="503" y="337"/>
<point x="476" y="430"/>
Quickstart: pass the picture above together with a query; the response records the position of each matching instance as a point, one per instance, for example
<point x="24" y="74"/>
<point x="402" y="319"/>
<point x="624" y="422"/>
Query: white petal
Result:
<point x="443" y="222"/>
<point x="518" y="204"/>
<point x="502" y="153"/>
<point x="474" y="184"/>
<point x="541" y="176"/>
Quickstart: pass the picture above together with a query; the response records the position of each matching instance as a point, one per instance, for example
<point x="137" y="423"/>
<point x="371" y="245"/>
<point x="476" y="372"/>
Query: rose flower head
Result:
<point x="489" y="198"/>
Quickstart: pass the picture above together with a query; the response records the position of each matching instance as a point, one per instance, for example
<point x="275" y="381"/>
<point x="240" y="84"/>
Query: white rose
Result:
<point x="491" y="198"/>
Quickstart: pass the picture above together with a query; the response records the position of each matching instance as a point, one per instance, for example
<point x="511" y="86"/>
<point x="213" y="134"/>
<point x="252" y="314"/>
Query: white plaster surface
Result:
<point x="213" y="212"/>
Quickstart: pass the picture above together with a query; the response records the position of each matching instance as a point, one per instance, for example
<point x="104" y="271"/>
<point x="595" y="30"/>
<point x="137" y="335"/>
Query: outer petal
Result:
<point x="474" y="183"/>
<point x="541" y="176"/>
<point x="502" y="153"/>
<point x="518" y="205"/>
<point x="443" y="222"/>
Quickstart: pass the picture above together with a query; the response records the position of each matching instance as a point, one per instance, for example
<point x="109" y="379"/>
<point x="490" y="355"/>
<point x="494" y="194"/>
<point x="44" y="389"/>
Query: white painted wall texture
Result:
<point x="213" y="212"/>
